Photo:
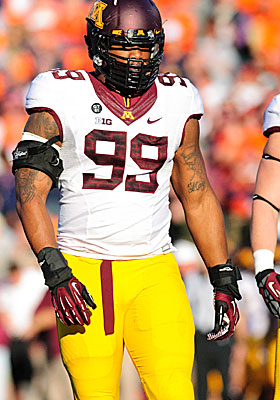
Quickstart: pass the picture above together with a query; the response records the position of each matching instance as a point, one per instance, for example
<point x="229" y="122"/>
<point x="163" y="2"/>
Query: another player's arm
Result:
<point x="202" y="209"/>
<point x="32" y="188"/>
<point x="264" y="216"/>
<point x="206" y="223"/>
<point x="264" y="224"/>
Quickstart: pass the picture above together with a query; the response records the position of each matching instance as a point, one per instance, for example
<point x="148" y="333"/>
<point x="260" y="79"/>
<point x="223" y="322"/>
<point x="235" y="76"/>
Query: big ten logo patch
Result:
<point x="103" y="121"/>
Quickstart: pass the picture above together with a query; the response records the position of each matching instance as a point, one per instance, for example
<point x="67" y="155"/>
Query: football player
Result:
<point x="264" y="224"/>
<point x="112" y="140"/>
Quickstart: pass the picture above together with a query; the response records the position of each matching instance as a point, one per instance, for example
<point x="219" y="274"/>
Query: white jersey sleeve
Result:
<point x="272" y="117"/>
<point x="181" y="101"/>
<point x="48" y="92"/>
<point x="41" y="92"/>
<point x="42" y="96"/>
<point x="181" y="95"/>
<point x="197" y="105"/>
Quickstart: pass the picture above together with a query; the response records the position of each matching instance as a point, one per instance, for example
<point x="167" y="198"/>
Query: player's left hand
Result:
<point x="226" y="317"/>
<point x="224" y="278"/>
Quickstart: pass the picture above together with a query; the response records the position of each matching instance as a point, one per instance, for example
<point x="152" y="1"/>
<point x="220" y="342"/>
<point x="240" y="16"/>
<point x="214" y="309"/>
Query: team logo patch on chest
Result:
<point x="127" y="115"/>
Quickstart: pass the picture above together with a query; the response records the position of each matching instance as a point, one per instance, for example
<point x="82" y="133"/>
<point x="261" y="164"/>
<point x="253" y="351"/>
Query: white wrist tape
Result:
<point x="264" y="259"/>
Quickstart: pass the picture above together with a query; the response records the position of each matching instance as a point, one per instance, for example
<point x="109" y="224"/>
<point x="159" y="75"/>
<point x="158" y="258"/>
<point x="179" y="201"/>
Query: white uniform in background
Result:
<point x="272" y="117"/>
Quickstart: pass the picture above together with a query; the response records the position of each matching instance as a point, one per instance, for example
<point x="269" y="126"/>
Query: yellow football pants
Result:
<point x="142" y="304"/>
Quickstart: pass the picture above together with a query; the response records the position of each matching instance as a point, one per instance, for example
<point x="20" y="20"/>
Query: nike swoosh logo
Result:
<point x="233" y="306"/>
<point x="75" y="286"/>
<point x="152" y="122"/>
<point x="274" y="291"/>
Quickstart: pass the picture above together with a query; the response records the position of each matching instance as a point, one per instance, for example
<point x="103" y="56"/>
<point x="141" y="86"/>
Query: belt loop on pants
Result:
<point x="107" y="296"/>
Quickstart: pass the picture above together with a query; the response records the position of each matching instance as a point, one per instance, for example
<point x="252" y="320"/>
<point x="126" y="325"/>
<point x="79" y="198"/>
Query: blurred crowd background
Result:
<point x="230" y="49"/>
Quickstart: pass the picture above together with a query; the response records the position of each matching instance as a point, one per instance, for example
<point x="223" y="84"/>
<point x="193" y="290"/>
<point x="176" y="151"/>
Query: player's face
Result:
<point x="135" y="53"/>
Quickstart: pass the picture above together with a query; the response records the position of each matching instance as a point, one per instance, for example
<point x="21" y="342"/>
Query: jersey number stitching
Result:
<point x="117" y="160"/>
<point x="64" y="74"/>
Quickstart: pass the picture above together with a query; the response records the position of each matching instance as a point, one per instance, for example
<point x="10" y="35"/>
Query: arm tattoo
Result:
<point x="192" y="159"/>
<point x="25" y="183"/>
<point x="42" y="124"/>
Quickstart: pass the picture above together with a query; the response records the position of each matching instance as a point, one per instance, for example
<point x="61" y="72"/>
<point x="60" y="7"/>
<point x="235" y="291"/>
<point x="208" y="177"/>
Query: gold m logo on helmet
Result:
<point x="127" y="115"/>
<point x="96" y="12"/>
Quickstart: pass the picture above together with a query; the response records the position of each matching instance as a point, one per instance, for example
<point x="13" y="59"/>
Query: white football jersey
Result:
<point x="272" y="117"/>
<point x="118" y="157"/>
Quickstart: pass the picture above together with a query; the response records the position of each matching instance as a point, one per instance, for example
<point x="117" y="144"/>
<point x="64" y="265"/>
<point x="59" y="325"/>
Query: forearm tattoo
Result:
<point x="25" y="184"/>
<point x="42" y="124"/>
<point x="192" y="159"/>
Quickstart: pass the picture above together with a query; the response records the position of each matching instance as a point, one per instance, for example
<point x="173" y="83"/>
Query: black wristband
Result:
<point x="224" y="277"/>
<point x="259" y="277"/>
<point x="54" y="266"/>
<point x="224" y="274"/>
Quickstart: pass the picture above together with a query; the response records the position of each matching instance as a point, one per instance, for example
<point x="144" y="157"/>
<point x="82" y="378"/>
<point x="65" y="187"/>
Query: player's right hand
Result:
<point x="69" y="296"/>
<point x="69" y="300"/>
<point x="268" y="282"/>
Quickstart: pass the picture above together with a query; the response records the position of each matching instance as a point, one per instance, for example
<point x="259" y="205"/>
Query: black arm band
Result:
<point x="258" y="197"/>
<point x="40" y="156"/>
<point x="54" y="266"/>
<point x="267" y="156"/>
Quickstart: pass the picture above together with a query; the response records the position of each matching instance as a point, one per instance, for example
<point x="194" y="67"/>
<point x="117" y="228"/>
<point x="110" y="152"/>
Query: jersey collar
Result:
<point x="128" y="110"/>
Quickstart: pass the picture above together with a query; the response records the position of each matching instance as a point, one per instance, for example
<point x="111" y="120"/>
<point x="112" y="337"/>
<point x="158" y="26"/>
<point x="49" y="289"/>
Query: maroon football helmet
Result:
<point x="125" y="25"/>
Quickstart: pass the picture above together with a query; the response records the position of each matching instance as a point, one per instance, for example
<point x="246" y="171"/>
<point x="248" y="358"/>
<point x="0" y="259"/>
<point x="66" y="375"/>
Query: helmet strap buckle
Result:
<point x="97" y="60"/>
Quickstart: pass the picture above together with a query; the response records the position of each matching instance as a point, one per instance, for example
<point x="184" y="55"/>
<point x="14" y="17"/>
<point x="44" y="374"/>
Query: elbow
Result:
<point x="22" y="205"/>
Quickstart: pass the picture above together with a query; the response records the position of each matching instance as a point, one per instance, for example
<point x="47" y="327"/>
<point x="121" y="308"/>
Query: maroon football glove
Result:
<point x="268" y="282"/>
<point x="226" y="316"/>
<point x="69" y="300"/>
<point x="224" y="278"/>
<point x="69" y="295"/>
